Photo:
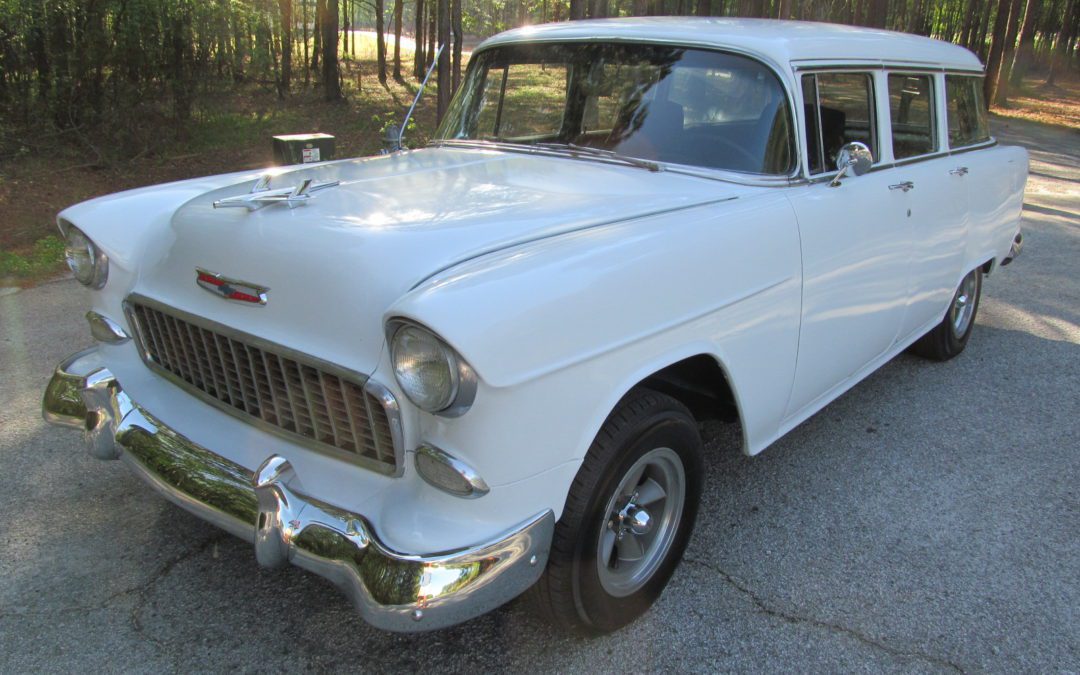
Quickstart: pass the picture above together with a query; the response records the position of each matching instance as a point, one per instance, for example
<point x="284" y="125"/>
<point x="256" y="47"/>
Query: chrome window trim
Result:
<point x="914" y="66"/>
<point x="976" y="146"/>
<point x="385" y="396"/>
<point x="821" y="178"/>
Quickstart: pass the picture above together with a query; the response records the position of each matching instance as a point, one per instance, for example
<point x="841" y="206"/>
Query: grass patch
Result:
<point x="44" y="259"/>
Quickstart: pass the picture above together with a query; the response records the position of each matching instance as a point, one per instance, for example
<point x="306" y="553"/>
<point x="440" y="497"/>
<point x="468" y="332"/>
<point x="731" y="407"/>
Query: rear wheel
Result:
<point x="949" y="337"/>
<point x="627" y="519"/>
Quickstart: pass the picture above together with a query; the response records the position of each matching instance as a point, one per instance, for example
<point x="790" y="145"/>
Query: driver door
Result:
<point x="855" y="243"/>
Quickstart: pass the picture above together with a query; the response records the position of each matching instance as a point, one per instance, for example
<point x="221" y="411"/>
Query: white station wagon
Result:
<point x="443" y="376"/>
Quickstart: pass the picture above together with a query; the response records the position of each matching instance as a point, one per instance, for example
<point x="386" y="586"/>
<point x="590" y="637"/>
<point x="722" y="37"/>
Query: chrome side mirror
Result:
<point x="854" y="159"/>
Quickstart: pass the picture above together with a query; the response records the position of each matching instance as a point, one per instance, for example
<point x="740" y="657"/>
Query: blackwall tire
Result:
<point x="633" y="501"/>
<point x="948" y="338"/>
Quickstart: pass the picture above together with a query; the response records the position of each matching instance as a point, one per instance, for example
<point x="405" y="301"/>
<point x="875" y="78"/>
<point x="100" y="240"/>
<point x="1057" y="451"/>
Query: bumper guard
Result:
<point x="391" y="590"/>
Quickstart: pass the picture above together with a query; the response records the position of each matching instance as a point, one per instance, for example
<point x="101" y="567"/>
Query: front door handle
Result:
<point x="905" y="186"/>
<point x="959" y="171"/>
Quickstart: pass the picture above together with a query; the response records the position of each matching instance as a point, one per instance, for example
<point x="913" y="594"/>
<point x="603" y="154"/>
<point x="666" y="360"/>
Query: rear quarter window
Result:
<point x="967" y="117"/>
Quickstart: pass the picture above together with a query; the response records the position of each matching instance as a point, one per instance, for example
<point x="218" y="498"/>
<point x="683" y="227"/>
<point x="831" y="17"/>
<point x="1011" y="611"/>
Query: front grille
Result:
<point x="268" y="384"/>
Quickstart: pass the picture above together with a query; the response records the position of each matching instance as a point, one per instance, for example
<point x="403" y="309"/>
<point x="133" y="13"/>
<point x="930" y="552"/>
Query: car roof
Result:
<point x="783" y="42"/>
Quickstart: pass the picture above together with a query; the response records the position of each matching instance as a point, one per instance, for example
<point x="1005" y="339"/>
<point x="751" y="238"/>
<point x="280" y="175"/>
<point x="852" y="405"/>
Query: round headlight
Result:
<point x="87" y="263"/>
<point x="425" y="367"/>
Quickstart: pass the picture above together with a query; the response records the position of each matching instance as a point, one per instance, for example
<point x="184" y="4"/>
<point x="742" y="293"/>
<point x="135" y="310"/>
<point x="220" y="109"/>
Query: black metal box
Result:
<point x="303" y="148"/>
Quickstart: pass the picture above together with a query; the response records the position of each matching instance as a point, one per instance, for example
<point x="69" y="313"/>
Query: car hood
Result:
<point x="336" y="263"/>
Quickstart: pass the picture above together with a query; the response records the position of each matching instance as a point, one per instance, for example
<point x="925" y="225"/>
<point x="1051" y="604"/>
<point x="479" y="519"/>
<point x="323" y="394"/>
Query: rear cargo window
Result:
<point x="968" y="121"/>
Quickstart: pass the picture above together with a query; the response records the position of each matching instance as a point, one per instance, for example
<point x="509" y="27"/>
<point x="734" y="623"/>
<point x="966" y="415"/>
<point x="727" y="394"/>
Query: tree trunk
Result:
<point x="398" y="9"/>
<point x="455" y="28"/>
<point x="286" y="44"/>
<point x="997" y="47"/>
<point x="978" y="37"/>
<point x="328" y="22"/>
<point x="1060" y="53"/>
<point x="878" y="13"/>
<point x="1026" y="51"/>
<point x="380" y="40"/>
<point x="577" y="10"/>
<point x="968" y="10"/>
<point x="1002" y="93"/>
<point x="344" y="15"/>
<point x="307" y="53"/>
<point x="432" y="31"/>
<point x="445" y="84"/>
<point x="704" y="7"/>
<point x="419" y="58"/>
<point x="317" y="38"/>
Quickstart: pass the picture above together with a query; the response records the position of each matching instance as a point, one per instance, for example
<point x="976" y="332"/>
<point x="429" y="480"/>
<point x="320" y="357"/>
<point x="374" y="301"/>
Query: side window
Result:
<point x="966" y="113"/>
<point x="843" y="113"/>
<point x="911" y="109"/>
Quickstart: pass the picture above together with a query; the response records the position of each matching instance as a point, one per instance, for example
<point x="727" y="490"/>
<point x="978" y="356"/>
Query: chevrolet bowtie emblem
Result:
<point x="261" y="195"/>
<point x="230" y="289"/>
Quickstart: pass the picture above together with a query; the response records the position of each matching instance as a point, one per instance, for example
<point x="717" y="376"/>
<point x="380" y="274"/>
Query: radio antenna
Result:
<point x="398" y="143"/>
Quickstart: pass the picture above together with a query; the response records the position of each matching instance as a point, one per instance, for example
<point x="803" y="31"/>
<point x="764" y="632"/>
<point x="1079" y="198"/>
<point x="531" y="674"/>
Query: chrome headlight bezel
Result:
<point x="76" y="243"/>
<point x="463" y="387"/>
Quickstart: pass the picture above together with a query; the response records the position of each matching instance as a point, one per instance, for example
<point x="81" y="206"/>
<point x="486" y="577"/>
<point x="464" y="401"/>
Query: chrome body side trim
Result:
<point x="272" y="509"/>
<point x="389" y="403"/>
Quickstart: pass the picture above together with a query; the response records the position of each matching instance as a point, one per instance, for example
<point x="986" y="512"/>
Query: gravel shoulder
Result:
<point x="927" y="521"/>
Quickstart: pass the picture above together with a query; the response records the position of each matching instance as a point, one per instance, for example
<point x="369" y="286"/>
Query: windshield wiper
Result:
<point x="601" y="152"/>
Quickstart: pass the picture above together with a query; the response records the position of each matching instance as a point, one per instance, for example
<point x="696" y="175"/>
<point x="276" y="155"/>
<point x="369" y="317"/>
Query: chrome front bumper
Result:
<point x="268" y="507"/>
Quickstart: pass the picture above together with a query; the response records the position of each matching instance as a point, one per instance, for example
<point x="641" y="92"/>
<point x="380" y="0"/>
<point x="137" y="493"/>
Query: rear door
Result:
<point x="938" y="201"/>
<point x="855" y="240"/>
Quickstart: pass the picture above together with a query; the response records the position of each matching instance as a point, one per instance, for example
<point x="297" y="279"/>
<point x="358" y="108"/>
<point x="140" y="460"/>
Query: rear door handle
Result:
<point x="905" y="186"/>
<point x="959" y="171"/>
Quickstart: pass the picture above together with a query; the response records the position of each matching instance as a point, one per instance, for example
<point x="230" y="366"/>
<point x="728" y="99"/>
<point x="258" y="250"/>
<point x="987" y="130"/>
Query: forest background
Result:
<point x="102" y="95"/>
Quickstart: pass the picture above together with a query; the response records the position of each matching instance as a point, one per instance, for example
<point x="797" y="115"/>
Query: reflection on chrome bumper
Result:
<point x="1017" y="248"/>
<point x="391" y="590"/>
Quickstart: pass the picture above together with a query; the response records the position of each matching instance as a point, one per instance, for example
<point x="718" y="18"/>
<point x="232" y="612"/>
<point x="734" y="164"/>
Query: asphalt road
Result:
<point x="929" y="520"/>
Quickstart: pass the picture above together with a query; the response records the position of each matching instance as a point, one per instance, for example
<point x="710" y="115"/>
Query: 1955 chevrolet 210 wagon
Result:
<point x="443" y="376"/>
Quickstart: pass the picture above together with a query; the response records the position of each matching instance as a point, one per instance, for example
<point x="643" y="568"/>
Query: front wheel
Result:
<point x="949" y="337"/>
<point x="627" y="519"/>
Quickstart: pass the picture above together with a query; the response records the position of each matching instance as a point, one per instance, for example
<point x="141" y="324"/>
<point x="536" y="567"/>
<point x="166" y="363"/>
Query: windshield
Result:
<point x="653" y="102"/>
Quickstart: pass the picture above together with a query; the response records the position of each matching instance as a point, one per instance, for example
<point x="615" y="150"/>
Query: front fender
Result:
<point x="558" y="330"/>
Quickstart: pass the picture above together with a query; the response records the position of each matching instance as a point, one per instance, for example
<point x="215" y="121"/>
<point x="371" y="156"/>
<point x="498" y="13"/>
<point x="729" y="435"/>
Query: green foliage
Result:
<point x="45" y="258"/>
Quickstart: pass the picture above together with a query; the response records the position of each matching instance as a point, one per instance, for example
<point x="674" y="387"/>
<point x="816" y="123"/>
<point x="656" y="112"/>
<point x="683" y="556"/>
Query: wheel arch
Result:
<point x="695" y="375"/>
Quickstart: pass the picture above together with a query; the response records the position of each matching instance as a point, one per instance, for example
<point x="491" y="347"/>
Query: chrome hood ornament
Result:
<point x="261" y="195"/>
